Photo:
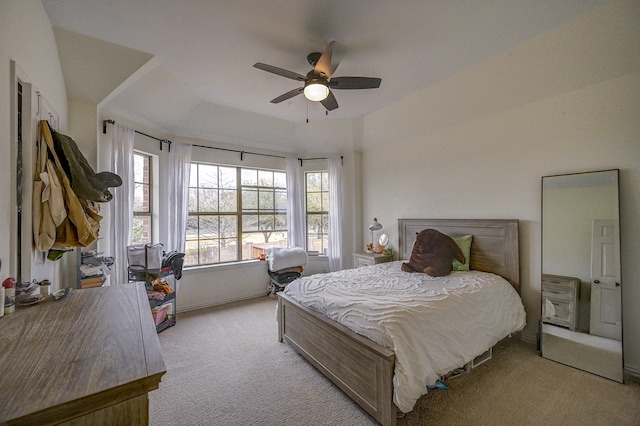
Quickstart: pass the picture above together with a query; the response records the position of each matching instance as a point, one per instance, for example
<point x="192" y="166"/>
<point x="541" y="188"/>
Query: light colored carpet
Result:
<point x="226" y="367"/>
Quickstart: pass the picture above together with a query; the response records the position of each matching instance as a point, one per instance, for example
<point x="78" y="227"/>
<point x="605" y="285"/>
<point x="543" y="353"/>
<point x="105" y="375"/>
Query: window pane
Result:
<point x="228" y="201"/>
<point x="267" y="222"/>
<point x="193" y="176"/>
<point x="279" y="180"/>
<point x="193" y="200"/>
<point x="325" y="223"/>
<point x="139" y="198"/>
<point x="280" y="200"/>
<point x="249" y="222"/>
<point x="228" y="226"/>
<point x="208" y="176"/>
<point x="227" y="177"/>
<point x="249" y="177"/>
<point x="192" y="228"/>
<point x="208" y="201"/>
<point x="191" y="253"/>
<point x="265" y="178"/>
<point x="314" y="202"/>
<point x="208" y="227"/>
<point x="325" y="201"/>
<point x="314" y="223"/>
<point x="314" y="243"/>
<point x="266" y="199"/>
<point x="208" y="251"/>
<point x="314" y="182"/>
<point x="141" y="232"/>
<point x="281" y="222"/>
<point x="249" y="199"/>
<point x="138" y="168"/>
<point x="228" y="250"/>
<point x="325" y="181"/>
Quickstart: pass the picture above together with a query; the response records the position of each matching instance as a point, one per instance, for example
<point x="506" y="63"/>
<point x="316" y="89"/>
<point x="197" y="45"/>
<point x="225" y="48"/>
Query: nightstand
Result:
<point x="366" y="259"/>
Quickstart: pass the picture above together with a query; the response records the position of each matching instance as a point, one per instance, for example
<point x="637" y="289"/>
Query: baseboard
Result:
<point x="529" y="336"/>
<point x="220" y="302"/>
<point x="631" y="374"/>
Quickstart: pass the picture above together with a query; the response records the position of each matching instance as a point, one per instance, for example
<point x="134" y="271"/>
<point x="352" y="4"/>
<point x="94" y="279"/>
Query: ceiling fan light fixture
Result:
<point x="315" y="91"/>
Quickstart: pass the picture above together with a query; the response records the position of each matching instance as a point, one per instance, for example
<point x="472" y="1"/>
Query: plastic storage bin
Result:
<point x="160" y="314"/>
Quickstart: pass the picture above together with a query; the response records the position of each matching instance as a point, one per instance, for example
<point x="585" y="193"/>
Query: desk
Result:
<point x="88" y="359"/>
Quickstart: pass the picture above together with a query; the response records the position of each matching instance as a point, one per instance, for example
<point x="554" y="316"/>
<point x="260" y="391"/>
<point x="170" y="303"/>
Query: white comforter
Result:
<point x="433" y="325"/>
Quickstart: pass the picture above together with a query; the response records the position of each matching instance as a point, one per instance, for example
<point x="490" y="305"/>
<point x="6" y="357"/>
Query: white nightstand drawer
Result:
<point x="559" y="294"/>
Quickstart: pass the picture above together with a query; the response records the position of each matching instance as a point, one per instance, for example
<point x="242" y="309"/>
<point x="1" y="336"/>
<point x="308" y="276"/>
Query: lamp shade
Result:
<point x="375" y="225"/>
<point x="316" y="91"/>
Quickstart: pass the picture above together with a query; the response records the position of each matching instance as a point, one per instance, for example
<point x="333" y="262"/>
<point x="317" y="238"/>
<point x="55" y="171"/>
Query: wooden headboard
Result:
<point x="494" y="247"/>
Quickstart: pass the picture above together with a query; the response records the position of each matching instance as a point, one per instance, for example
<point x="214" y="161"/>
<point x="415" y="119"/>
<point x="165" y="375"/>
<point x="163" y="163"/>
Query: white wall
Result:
<point x="477" y="145"/>
<point x="26" y="37"/>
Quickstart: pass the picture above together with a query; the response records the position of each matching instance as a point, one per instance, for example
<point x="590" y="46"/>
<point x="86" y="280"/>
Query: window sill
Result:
<point x="188" y="270"/>
<point x="317" y="256"/>
<point x="220" y="266"/>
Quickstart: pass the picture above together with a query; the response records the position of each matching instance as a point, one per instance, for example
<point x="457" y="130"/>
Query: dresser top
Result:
<point x="65" y="355"/>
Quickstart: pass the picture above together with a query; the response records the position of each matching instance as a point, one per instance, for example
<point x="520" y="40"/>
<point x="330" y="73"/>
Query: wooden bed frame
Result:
<point x="362" y="368"/>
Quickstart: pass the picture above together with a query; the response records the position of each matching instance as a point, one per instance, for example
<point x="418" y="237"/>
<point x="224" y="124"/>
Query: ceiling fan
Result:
<point x="318" y="82"/>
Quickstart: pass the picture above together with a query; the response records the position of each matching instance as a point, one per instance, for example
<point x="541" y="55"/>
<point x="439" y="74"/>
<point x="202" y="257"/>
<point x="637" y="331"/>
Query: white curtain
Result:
<point x="176" y="173"/>
<point x="295" y="204"/>
<point x="335" y="213"/>
<point x="121" y="206"/>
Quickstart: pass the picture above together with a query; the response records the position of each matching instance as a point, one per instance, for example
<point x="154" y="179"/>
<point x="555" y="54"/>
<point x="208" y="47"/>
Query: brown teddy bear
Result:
<point x="433" y="253"/>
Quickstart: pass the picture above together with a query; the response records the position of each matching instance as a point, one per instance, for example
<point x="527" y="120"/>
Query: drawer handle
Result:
<point x="596" y="281"/>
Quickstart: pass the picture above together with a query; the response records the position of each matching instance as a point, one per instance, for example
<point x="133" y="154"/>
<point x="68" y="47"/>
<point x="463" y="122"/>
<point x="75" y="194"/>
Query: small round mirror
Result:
<point x="383" y="240"/>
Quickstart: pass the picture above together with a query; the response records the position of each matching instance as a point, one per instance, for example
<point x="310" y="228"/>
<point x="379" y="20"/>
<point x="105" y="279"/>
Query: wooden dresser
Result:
<point x="88" y="359"/>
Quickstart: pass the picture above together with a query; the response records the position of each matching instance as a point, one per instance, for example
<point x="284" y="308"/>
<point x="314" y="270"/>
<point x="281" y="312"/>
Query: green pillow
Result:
<point x="464" y="242"/>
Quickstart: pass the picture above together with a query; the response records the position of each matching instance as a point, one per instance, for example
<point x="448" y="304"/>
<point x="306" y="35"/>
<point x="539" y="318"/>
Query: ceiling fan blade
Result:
<point x="290" y="94"/>
<point x="327" y="64"/>
<point x="355" y="83"/>
<point x="330" y="102"/>
<point x="279" y="71"/>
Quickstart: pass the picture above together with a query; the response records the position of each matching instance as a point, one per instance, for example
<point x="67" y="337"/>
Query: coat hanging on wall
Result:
<point x="65" y="181"/>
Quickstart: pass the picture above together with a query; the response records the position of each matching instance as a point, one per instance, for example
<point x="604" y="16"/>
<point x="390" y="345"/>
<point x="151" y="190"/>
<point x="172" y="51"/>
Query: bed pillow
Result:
<point x="286" y="257"/>
<point x="464" y="242"/>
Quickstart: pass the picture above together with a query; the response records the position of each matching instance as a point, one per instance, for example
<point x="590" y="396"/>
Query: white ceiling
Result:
<point x="168" y="62"/>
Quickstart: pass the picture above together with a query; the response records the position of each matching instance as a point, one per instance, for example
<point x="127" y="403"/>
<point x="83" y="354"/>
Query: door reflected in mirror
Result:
<point x="581" y="285"/>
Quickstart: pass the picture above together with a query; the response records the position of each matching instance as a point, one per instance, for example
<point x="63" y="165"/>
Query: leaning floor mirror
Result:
<point x="581" y="286"/>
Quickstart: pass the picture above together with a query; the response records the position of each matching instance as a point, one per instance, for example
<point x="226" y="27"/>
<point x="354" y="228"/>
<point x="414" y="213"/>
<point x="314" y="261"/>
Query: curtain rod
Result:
<point x="242" y="153"/>
<point x="167" y="141"/>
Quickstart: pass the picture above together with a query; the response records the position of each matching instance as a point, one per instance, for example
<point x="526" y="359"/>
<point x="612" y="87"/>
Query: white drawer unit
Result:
<point x="365" y="259"/>
<point x="564" y="294"/>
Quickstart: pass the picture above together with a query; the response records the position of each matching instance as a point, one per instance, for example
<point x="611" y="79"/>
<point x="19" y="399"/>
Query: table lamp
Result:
<point x="374" y="226"/>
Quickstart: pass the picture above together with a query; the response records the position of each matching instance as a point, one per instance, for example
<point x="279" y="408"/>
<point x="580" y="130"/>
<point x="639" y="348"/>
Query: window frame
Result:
<point x="240" y="213"/>
<point x="323" y="213"/>
<point x="149" y="213"/>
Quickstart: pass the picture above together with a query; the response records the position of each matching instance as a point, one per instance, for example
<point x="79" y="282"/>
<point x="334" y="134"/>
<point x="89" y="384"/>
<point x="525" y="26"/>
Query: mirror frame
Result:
<point x="563" y="339"/>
